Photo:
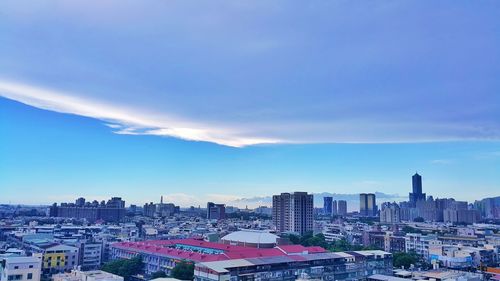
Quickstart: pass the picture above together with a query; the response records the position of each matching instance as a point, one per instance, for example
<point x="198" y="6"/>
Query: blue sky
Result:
<point x="202" y="100"/>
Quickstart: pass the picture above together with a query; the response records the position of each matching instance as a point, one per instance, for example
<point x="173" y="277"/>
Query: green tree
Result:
<point x="409" y="229"/>
<point x="158" y="274"/>
<point x="404" y="260"/>
<point x="124" y="267"/>
<point x="418" y="219"/>
<point x="183" y="270"/>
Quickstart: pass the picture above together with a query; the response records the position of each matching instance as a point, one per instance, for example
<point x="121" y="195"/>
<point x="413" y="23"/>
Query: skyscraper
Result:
<point x="293" y="212"/>
<point x="367" y="205"/>
<point x="342" y="207"/>
<point x="335" y="210"/>
<point x="417" y="194"/>
<point x="327" y="205"/>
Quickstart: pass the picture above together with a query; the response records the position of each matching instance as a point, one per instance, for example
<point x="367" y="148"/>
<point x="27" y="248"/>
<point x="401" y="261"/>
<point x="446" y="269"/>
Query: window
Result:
<point x="31" y="266"/>
<point x="30" y="275"/>
<point x="16" y="267"/>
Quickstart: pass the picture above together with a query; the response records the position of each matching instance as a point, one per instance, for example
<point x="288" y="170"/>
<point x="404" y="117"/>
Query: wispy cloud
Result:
<point x="441" y="161"/>
<point x="239" y="75"/>
<point x="123" y="120"/>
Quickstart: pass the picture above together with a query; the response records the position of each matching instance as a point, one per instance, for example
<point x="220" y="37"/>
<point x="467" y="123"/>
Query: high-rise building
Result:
<point x="342" y="207"/>
<point x="416" y="194"/>
<point x="367" y="205"/>
<point x="390" y="213"/>
<point x="111" y="211"/>
<point x="293" y="212"/>
<point x="327" y="205"/>
<point x="335" y="209"/>
<point x="216" y="211"/>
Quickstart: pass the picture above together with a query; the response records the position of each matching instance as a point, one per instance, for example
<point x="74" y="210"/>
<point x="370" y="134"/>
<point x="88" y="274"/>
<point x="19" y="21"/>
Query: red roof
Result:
<point x="165" y="248"/>
<point x="297" y="249"/>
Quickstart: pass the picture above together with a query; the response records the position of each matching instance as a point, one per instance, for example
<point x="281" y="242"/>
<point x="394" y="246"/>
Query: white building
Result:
<point x="418" y="243"/>
<point x="94" y="275"/>
<point x="16" y="268"/>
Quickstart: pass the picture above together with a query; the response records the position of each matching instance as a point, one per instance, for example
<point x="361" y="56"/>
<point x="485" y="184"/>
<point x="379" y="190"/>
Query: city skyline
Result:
<point x="248" y="100"/>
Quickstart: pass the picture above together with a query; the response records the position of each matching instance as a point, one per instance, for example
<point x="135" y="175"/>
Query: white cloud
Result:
<point x="125" y="120"/>
<point x="441" y="161"/>
<point x="186" y="200"/>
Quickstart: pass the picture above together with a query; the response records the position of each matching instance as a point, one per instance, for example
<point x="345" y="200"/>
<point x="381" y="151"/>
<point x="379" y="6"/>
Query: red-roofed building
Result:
<point x="164" y="254"/>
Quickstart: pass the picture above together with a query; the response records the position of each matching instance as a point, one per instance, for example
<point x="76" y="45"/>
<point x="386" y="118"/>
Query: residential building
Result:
<point x="390" y="213"/>
<point x="165" y="254"/>
<point x="351" y="266"/>
<point x="327" y="205"/>
<point x="216" y="211"/>
<point x="59" y="258"/>
<point x="418" y="243"/>
<point x="335" y="209"/>
<point x="293" y="212"/>
<point x="367" y="205"/>
<point x="111" y="211"/>
<point x="93" y="275"/>
<point x="342" y="207"/>
<point x="20" y="268"/>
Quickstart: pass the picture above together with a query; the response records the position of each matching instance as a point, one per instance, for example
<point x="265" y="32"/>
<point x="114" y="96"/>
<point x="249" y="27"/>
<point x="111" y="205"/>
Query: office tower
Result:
<point x="417" y="194"/>
<point x="293" y="212"/>
<point x="327" y="205"/>
<point x="367" y="205"/>
<point x="216" y="211"/>
<point x="335" y="210"/>
<point x="342" y="207"/>
<point x="390" y="213"/>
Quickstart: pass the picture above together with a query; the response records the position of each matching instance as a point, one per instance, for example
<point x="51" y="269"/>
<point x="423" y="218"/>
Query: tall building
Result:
<point x="216" y="211"/>
<point x="390" y="213"/>
<point x="335" y="209"/>
<point x="367" y="205"/>
<point x="342" y="207"/>
<point x="111" y="211"/>
<point x="416" y="194"/>
<point x="293" y="212"/>
<point x="327" y="205"/>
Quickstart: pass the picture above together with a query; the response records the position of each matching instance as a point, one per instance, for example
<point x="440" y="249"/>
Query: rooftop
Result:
<point x="202" y="251"/>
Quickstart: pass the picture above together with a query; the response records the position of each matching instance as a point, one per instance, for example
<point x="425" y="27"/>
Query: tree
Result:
<point x="183" y="270"/>
<point x="124" y="267"/>
<point x="404" y="260"/>
<point x="409" y="229"/>
<point x="158" y="274"/>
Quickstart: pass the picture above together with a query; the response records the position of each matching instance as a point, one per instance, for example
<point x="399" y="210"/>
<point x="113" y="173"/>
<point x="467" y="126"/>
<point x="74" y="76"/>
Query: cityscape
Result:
<point x="247" y="140"/>
<point x="291" y="239"/>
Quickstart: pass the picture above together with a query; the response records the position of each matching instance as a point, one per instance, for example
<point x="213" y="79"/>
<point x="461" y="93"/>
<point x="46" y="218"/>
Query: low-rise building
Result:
<point x="93" y="275"/>
<point x="321" y="266"/>
<point x="18" y="268"/>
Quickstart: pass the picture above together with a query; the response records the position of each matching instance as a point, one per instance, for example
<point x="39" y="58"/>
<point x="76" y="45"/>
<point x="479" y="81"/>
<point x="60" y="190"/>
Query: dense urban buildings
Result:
<point x="160" y="210"/>
<point x="367" y="205"/>
<point x="111" y="211"/>
<point x="293" y="212"/>
<point x="321" y="266"/>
